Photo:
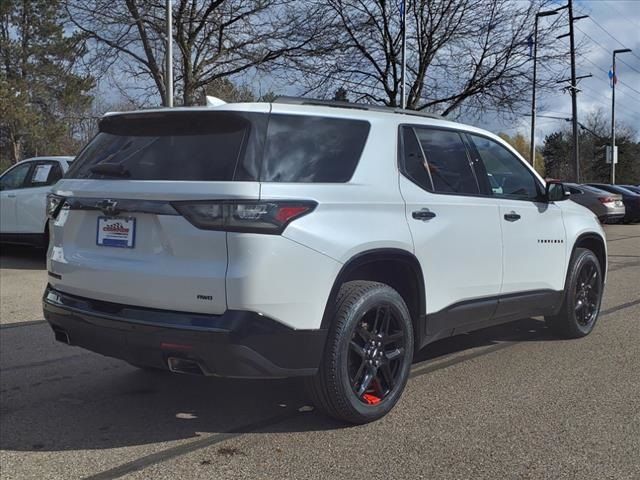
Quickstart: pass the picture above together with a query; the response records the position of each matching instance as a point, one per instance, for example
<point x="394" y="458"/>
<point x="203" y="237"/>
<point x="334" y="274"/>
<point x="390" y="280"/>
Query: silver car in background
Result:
<point x="608" y="207"/>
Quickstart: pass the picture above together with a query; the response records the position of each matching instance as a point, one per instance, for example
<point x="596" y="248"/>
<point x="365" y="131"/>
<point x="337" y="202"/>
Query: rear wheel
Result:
<point x="367" y="356"/>
<point x="583" y="297"/>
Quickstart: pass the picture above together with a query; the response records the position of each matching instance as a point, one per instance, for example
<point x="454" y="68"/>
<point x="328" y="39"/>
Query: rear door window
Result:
<point x="45" y="174"/>
<point x="412" y="163"/>
<point x="448" y="161"/>
<point x="303" y="148"/>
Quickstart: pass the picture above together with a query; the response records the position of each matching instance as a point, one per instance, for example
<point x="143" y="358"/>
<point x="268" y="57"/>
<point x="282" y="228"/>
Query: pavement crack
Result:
<point x="164" y="455"/>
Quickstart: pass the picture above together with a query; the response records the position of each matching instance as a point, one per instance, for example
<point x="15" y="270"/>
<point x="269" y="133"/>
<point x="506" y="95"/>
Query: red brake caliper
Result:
<point x="371" y="399"/>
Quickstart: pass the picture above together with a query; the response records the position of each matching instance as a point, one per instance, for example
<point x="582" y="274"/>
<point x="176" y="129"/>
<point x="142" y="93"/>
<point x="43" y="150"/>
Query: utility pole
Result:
<point x="574" y="90"/>
<point x="169" y="69"/>
<point x="404" y="54"/>
<point x="613" y="113"/>
<point x="532" y="153"/>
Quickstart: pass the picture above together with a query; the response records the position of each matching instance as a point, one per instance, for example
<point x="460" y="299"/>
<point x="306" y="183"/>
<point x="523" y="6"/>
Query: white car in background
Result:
<point x="23" y="198"/>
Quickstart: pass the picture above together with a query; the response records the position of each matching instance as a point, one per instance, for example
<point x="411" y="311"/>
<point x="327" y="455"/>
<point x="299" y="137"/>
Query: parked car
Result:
<point x="313" y="239"/>
<point x="633" y="188"/>
<point x="608" y="207"/>
<point x="23" y="199"/>
<point x="630" y="199"/>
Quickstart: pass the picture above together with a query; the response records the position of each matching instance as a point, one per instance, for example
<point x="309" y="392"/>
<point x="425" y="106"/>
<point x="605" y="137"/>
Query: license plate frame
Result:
<point x="122" y="234"/>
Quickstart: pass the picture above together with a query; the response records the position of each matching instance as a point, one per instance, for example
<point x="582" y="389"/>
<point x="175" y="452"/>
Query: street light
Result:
<point x="532" y="153"/>
<point x="169" y="54"/>
<point x="613" y="113"/>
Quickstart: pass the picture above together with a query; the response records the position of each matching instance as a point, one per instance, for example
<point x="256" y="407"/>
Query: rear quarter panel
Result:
<point x="364" y="214"/>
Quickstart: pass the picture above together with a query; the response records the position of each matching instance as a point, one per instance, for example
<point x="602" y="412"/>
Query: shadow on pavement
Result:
<point x="92" y="402"/>
<point x="22" y="257"/>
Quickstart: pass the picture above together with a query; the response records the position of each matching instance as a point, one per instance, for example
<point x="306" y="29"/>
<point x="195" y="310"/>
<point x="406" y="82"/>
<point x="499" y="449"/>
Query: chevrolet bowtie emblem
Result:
<point x="108" y="207"/>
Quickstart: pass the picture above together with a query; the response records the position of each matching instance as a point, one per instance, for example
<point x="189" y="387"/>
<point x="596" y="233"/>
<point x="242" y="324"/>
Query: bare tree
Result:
<point x="214" y="39"/>
<point x="460" y="53"/>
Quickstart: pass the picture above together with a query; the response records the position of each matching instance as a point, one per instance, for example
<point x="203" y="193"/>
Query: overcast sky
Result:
<point x="612" y="24"/>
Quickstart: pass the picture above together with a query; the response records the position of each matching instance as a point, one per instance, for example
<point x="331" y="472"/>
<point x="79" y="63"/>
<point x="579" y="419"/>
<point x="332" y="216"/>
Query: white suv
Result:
<point x="23" y="199"/>
<point x="302" y="238"/>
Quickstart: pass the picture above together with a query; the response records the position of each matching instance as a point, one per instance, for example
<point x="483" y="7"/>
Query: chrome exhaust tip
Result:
<point x="184" y="366"/>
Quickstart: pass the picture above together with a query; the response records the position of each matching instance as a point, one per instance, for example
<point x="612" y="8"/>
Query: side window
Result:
<point x="448" y="162"/>
<point x="575" y="191"/>
<point x="15" y="178"/>
<point x="413" y="164"/>
<point x="509" y="178"/>
<point x="44" y="174"/>
<point x="311" y="149"/>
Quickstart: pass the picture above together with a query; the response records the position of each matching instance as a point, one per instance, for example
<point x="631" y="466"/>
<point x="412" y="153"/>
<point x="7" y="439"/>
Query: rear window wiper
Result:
<point x="110" y="169"/>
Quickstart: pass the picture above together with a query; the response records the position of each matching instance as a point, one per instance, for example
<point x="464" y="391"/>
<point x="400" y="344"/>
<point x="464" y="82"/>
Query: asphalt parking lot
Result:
<point x="505" y="402"/>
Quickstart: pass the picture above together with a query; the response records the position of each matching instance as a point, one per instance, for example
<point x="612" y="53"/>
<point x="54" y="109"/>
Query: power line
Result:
<point x="605" y="49"/>
<point x="607" y="73"/>
<point x="607" y="32"/>
<point x="622" y="14"/>
<point x="600" y="93"/>
<point x="599" y="100"/>
<point x="629" y="87"/>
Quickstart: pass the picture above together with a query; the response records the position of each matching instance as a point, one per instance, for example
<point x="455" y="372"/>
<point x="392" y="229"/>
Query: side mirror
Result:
<point x="556" y="192"/>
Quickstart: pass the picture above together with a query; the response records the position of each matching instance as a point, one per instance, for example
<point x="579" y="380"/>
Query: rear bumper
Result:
<point x="235" y="344"/>
<point x="611" y="217"/>
<point x="632" y="213"/>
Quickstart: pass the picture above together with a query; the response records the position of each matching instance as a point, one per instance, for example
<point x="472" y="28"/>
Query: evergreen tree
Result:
<point x="41" y="93"/>
<point x="593" y="138"/>
<point x="556" y="153"/>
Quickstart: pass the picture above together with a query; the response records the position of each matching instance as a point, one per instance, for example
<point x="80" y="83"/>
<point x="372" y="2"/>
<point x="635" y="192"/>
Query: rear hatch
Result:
<point x="123" y="227"/>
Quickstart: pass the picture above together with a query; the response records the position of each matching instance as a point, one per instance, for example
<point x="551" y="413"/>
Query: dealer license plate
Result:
<point x="116" y="232"/>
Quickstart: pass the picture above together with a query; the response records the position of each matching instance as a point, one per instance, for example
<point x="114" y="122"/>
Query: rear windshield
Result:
<point x="205" y="146"/>
<point x="223" y="146"/>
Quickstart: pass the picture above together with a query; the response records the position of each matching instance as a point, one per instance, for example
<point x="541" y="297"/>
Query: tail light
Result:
<point x="270" y="217"/>
<point x="607" y="199"/>
<point x="54" y="205"/>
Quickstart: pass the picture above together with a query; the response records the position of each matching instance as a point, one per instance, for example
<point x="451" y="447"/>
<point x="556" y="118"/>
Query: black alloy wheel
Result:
<point x="376" y="354"/>
<point x="368" y="354"/>
<point x="582" y="297"/>
<point x="587" y="296"/>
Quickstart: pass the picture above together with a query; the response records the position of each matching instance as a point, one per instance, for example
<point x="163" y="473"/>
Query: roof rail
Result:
<point x="356" y="106"/>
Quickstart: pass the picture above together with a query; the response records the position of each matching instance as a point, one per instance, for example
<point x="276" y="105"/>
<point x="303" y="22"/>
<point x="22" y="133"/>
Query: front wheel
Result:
<point x="582" y="298"/>
<point x="367" y="356"/>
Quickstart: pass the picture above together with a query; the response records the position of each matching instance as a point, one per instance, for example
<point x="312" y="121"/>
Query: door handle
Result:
<point x="11" y="195"/>
<point x="423" y="214"/>
<point x="511" y="217"/>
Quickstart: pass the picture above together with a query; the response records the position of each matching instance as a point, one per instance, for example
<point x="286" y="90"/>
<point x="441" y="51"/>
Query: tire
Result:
<point x="582" y="297"/>
<point x="367" y="355"/>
